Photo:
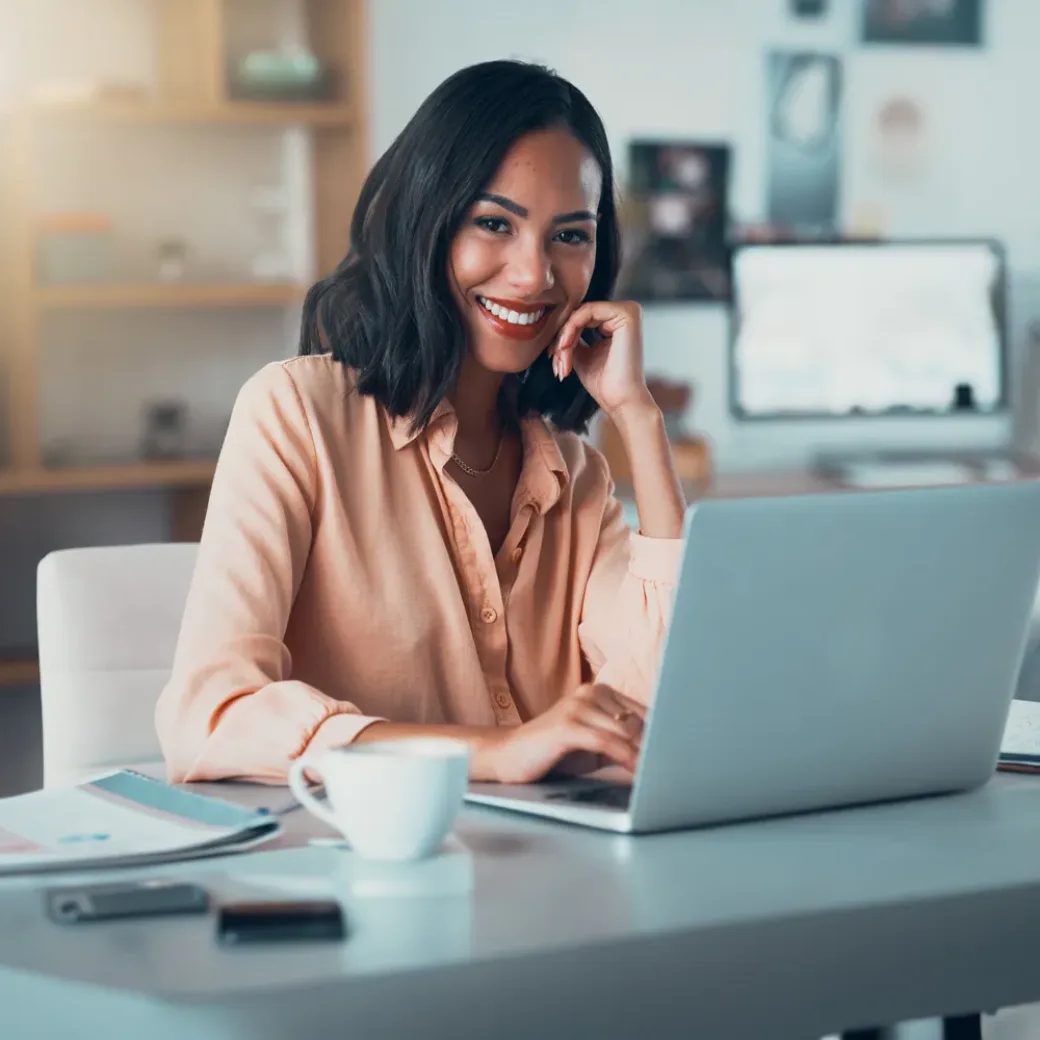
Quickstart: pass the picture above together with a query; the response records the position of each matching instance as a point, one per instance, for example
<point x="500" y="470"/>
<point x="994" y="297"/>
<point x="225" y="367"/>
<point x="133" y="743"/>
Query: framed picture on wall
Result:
<point x="803" y="141"/>
<point x="950" y="23"/>
<point x="675" y="218"/>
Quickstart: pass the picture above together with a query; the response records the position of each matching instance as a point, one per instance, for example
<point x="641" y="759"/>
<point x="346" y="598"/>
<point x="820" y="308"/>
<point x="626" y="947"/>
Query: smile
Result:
<point x="514" y="319"/>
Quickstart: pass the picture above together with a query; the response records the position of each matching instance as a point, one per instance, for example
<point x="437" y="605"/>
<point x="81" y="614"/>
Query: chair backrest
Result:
<point x="108" y="620"/>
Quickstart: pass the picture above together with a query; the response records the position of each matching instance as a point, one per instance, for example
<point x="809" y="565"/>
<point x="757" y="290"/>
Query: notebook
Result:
<point x="123" y="818"/>
<point x="1020" y="748"/>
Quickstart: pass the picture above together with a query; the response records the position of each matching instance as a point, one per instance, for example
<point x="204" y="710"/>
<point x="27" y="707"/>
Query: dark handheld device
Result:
<point x="240" y="924"/>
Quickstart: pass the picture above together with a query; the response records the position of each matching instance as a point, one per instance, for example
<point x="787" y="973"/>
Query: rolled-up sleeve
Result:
<point x="231" y="707"/>
<point x="627" y="604"/>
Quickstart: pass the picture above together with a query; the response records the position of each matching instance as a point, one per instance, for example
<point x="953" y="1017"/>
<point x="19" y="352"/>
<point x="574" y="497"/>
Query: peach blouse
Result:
<point x="344" y="577"/>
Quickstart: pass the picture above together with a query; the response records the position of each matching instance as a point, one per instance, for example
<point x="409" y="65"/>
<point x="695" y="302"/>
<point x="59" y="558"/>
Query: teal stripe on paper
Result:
<point x="175" y="801"/>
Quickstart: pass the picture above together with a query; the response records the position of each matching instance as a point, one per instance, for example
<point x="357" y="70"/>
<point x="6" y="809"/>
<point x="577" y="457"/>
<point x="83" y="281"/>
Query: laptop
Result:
<point x="824" y="650"/>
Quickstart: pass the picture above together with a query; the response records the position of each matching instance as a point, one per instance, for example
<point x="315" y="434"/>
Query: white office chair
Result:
<point x="108" y="620"/>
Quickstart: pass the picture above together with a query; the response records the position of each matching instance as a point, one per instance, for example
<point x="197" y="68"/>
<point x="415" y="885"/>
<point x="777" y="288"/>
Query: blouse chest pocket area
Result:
<point x="398" y="601"/>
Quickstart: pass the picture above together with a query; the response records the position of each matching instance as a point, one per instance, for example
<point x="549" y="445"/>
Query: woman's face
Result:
<point x="523" y="258"/>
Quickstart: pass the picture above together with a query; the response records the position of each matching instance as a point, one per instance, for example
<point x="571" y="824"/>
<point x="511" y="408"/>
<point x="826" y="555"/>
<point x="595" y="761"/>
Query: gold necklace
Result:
<point x="480" y="472"/>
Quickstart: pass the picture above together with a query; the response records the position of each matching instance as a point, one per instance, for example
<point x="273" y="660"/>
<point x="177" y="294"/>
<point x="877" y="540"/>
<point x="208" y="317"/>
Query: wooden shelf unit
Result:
<point x="192" y="94"/>
<point x="113" y="477"/>
<point x="332" y="115"/>
<point x="193" y="37"/>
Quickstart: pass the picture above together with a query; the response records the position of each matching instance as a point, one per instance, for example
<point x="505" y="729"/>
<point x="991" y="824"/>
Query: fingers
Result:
<point x="610" y="723"/>
<point x="627" y="704"/>
<point x="599" y="742"/>
<point x="605" y="315"/>
<point x="613" y="700"/>
<point x="579" y="763"/>
<point x="628" y="728"/>
<point x="562" y="352"/>
<point x="569" y="339"/>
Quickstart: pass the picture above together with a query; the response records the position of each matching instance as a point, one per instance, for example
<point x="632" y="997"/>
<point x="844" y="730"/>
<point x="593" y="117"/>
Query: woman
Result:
<point x="405" y="534"/>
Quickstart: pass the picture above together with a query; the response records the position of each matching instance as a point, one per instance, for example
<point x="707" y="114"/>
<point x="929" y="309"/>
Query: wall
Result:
<point x="695" y="68"/>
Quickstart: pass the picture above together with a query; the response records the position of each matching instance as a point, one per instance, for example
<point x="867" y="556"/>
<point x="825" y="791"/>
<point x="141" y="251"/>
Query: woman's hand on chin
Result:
<point x="611" y="369"/>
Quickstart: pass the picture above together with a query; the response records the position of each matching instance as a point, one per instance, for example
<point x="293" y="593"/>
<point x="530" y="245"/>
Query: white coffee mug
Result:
<point x="395" y="799"/>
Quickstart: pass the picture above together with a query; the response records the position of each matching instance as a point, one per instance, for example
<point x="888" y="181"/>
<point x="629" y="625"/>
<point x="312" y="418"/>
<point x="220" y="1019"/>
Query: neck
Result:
<point x="475" y="400"/>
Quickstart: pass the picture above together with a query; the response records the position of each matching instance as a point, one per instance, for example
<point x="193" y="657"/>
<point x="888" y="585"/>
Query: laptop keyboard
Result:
<point x="611" y="796"/>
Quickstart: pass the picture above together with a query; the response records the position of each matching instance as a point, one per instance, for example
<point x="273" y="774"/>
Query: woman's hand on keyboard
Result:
<point x="595" y="719"/>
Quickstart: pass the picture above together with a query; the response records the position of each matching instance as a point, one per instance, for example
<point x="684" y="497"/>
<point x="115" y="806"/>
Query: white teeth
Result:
<point x="513" y="317"/>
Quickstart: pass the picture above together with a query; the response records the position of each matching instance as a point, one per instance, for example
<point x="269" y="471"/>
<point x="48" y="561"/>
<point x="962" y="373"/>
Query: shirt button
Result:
<point x="516" y="554"/>
<point x="489" y="615"/>
<point x="503" y="700"/>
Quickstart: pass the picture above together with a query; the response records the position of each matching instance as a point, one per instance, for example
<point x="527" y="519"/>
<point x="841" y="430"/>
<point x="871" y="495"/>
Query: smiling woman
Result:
<point x="515" y="175"/>
<point x="517" y="270"/>
<point x="406" y="537"/>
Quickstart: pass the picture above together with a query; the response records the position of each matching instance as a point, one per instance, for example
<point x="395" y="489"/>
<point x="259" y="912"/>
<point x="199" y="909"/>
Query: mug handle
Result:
<point x="298" y="786"/>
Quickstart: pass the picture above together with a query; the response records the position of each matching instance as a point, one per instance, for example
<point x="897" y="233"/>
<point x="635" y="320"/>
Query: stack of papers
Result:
<point x="1020" y="748"/>
<point x="122" y="819"/>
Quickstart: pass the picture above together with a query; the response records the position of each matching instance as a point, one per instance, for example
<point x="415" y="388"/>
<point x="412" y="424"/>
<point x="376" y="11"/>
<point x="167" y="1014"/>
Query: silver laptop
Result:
<point x="825" y="650"/>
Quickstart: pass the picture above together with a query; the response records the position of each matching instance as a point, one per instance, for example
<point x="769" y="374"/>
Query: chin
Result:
<point x="504" y="359"/>
<point x="505" y="348"/>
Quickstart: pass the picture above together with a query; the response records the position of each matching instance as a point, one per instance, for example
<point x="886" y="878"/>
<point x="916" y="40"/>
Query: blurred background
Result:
<point x="829" y="207"/>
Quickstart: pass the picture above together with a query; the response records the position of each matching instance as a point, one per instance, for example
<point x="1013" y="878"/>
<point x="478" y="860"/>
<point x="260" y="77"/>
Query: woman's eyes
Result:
<point x="501" y="226"/>
<point x="574" y="236"/>
<point x="496" y="225"/>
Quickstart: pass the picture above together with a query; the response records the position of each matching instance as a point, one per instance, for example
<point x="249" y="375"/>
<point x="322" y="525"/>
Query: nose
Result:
<point x="529" y="268"/>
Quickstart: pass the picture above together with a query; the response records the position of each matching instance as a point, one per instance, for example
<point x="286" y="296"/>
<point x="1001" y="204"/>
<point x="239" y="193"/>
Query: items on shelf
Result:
<point x="273" y="261"/>
<point x="73" y="248"/>
<point x="172" y="255"/>
<point x="58" y="453"/>
<point x="165" y="424"/>
<point x="290" y="73"/>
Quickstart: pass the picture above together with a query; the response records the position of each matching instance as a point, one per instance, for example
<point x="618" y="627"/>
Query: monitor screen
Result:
<point x="868" y="329"/>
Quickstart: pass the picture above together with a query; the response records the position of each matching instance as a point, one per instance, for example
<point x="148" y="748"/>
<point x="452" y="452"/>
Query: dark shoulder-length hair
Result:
<point x="387" y="311"/>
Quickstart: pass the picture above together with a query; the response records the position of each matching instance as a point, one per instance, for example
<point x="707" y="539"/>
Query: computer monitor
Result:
<point x="868" y="330"/>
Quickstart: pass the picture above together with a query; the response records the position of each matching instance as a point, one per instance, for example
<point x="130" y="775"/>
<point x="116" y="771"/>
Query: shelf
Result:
<point x="189" y="474"/>
<point x="19" y="671"/>
<point x="247" y="113"/>
<point x="217" y="294"/>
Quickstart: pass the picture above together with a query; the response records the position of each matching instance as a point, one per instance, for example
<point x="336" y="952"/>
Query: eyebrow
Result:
<point x="521" y="211"/>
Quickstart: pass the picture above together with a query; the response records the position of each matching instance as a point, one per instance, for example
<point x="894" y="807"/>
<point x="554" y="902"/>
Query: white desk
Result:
<point x="786" y="928"/>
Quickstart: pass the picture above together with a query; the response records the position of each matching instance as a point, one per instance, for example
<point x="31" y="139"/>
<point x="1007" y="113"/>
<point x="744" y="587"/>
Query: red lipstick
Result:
<point x="514" y="309"/>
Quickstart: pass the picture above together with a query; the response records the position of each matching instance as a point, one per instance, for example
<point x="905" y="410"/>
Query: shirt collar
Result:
<point x="544" y="474"/>
<point x="401" y="432"/>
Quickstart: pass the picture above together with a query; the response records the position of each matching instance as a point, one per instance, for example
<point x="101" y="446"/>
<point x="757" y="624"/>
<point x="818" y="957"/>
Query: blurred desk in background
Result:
<point x="863" y="476"/>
